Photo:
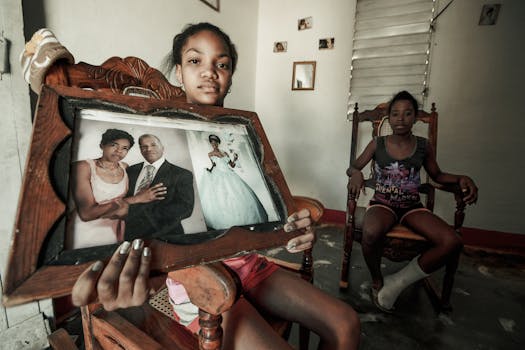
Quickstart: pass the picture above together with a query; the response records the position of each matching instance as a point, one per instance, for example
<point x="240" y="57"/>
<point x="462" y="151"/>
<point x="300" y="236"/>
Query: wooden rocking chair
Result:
<point x="401" y="243"/>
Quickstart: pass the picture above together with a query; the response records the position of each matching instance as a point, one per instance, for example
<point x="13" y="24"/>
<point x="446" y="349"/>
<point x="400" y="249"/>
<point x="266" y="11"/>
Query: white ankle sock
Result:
<point x="394" y="284"/>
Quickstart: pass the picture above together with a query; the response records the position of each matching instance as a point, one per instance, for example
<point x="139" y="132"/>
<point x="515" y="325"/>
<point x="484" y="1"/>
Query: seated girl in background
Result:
<point x="398" y="160"/>
<point x="205" y="58"/>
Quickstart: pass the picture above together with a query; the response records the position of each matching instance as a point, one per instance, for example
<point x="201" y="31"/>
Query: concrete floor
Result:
<point x="488" y="302"/>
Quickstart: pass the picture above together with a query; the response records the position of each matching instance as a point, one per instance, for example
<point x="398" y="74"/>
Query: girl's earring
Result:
<point x="229" y="90"/>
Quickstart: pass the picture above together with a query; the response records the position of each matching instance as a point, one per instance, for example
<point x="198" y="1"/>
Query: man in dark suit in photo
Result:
<point x="161" y="218"/>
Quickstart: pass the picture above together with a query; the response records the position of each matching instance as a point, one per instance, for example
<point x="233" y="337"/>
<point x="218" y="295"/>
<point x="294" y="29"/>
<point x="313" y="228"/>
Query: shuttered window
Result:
<point x="391" y="50"/>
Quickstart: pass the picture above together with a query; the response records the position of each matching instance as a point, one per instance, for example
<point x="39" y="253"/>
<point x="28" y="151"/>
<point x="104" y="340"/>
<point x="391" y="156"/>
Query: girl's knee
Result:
<point x="451" y="242"/>
<point x="348" y="330"/>
<point x="346" y="323"/>
<point x="372" y="234"/>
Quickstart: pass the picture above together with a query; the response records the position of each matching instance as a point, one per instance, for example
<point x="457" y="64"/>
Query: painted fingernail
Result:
<point x="289" y="227"/>
<point x="124" y="247"/>
<point x="146" y="252"/>
<point x="97" y="266"/>
<point x="137" y="244"/>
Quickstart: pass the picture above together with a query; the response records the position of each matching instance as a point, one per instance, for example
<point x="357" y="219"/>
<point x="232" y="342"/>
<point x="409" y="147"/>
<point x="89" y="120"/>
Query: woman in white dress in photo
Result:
<point x="226" y="199"/>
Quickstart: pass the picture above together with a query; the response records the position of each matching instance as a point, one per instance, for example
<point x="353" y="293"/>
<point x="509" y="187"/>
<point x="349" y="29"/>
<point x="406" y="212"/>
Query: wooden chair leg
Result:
<point x="448" y="281"/>
<point x="348" y="243"/>
<point x="210" y="334"/>
<point x="307" y="271"/>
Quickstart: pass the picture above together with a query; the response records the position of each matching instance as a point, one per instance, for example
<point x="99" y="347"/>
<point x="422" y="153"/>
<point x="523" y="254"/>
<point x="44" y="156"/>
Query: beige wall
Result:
<point x="477" y="83"/>
<point x="474" y="80"/>
<point x="307" y="129"/>
<point x="96" y="29"/>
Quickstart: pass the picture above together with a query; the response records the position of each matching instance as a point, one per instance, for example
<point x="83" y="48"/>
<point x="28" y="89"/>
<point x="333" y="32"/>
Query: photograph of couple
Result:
<point x="155" y="177"/>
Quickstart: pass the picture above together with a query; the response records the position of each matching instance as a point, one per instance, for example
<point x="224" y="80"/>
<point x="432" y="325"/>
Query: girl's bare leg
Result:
<point x="376" y="223"/>
<point x="445" y="241"/>
<point x="245" y="328"/>
<point x="445" y="244"/>
<point x="287" y="296"/>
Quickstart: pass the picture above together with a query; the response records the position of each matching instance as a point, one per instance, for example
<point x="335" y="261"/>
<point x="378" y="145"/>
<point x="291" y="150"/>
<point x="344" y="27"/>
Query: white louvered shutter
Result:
<point x="391" y="50"/>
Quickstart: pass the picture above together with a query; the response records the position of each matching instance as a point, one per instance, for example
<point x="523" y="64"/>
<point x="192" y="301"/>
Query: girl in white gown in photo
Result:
<point x="226" y="199"/>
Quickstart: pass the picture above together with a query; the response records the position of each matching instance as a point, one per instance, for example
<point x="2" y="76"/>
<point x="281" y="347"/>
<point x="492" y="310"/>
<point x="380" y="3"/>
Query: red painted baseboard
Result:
<point x="494" y="240"/>
<point x="331" y="216"/>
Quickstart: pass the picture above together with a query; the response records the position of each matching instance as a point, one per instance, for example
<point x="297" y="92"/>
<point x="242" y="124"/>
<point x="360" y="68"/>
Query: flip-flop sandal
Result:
<point x="375" y="300"/>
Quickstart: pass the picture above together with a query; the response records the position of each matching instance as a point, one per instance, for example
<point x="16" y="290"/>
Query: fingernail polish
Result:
<point x="137" y="244"/>
<point x="124" y="247"/>
<point x="146" y="252"/>
<point x="97" y="266"/>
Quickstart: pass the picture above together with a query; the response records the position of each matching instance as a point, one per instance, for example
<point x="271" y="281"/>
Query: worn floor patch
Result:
<point x="318" y="263"/>
<point x="507" y="324"/>
<point x="372" y="317"/>
<point x="484" y="270"/>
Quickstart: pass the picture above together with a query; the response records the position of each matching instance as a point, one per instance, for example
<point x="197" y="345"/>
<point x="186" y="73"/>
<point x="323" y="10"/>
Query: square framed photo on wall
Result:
<point x="280" y="46"/>
<point x="326" y="43"/>
<point x="214" y="4"/>
<point x="304" y="23"/>
<point x="303" y="75"/>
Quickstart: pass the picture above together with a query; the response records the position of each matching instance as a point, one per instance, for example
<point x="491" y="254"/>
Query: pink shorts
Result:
<point x="252" y="269"/>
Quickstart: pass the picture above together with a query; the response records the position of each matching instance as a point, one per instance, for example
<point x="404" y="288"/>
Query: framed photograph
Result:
<point x="326" y="43"/>
<point x="303" y="76"/>
<point x="304" y="23"/>
<point x="280" y="46"/>
<point x="489" y="14"/>
<point x="214" y="4"/>
<point x="223" y="191"/>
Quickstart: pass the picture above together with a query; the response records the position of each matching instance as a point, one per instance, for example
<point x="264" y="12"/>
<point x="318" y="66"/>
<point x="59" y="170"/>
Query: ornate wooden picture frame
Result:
<point x="40" y="265"/>
<point x="214" y="4"/>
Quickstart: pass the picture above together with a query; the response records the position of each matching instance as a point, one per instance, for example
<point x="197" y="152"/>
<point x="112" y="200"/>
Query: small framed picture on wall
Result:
<point x="280" y="46"/>
<point x="214" y="4"/>
<point x="304" y="23"/>
<point x="326" y="43"/>
<point x="489" y="14"/>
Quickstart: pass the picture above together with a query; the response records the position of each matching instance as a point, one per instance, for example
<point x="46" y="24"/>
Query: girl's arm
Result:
<point x="88" y="209"/>
<point x="232" y="162"/>
<point x="212" y="164"/>
<point x="467" y="185"/>
<point x="357" y="182"/>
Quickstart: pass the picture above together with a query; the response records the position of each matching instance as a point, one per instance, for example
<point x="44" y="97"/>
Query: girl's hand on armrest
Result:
<point x="122" y="283"/>
<point x="356" y="183"/>
<point x="469" y="189"/>
<point x="296" y="221"/>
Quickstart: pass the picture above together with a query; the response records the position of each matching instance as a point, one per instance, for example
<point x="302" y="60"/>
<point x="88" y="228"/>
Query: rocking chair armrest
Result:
<point x="450" y="188"/>
<point x="212" y="288"/>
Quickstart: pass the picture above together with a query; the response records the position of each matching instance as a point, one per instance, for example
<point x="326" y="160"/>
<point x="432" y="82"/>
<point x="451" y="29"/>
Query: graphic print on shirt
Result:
<point x="396" y="185"/>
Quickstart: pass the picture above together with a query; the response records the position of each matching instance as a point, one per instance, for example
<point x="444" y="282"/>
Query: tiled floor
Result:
<point x="488" y="301"/>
